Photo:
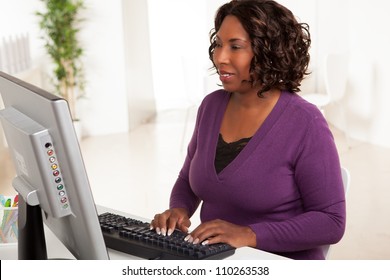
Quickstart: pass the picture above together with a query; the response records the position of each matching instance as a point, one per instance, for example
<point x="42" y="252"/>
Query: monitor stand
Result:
<point x="31" y="235"/>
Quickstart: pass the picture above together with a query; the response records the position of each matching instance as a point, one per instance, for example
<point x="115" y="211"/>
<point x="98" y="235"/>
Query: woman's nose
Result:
<point x="221" y="55"/>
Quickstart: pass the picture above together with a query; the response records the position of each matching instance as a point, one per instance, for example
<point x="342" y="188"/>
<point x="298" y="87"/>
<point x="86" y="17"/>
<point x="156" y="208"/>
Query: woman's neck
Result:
<point x="251" y="100"/>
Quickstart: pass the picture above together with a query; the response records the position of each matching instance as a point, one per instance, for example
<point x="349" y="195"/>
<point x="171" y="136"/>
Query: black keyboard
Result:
<point x="134" y="237"/>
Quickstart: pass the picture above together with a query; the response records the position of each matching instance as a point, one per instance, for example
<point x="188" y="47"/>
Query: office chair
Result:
<point x="346" y="181"/>
<point x="335" y="78"/>
<point x="321" y="100"/>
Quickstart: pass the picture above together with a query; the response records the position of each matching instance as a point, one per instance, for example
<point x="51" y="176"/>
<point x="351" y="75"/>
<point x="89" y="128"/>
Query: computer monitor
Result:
<point x="50" y="175"/>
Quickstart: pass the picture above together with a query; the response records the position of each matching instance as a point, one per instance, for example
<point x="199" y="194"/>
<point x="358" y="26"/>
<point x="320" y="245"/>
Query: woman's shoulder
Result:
<point x="215" y="98"/>
<point x="303" y="108"/>
<point x="216" y="95"/>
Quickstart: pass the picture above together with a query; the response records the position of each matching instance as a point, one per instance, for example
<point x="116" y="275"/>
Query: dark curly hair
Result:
<point x="280" y="44"/>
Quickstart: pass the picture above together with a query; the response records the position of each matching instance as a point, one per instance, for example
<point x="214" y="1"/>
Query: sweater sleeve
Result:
<point x="182" y="195"/>
<point x="317" y="175"/>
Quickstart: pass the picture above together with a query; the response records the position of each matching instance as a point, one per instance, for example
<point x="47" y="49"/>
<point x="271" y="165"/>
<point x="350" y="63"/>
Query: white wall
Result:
<point x="365" y="25"/>
<point x="104" y="109"/>
<point x="369" y="87"/>
<point x="359" y="29"/>
<point x="178" y="52"/>
<point x="138" y="63"/>
<point x="179" y="42"/>
<point x="105" y="38"/>
<point x="118" y="66"/>
<point x="16" y="17"/>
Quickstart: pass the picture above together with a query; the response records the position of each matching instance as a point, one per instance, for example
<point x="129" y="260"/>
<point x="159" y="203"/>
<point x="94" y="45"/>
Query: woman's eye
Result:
<point x="235" y="47"/>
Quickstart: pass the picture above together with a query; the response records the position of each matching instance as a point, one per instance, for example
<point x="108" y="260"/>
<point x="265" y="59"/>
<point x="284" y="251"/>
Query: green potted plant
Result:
<point x="61" y="24"/>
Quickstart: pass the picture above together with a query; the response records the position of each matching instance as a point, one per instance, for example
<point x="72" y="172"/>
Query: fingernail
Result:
<point x="189" y="239"/>
<point x="196" y="241"/>
<point x="158" y="230"/>
<point x="170" y="231"/>
<point x="151" y="227"/>
<point x="205" y="242"/>
<point x="164" y="232"/>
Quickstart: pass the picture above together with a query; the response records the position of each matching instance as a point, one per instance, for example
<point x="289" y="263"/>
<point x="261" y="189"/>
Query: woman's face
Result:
<point x="233" y="55"/>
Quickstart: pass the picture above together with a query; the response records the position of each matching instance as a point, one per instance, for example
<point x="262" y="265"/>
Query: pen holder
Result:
<point x="8" y="225"/>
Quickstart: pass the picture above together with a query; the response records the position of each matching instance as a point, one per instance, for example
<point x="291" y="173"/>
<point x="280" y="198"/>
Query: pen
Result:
<point x="16" y="200"/>
<point x="2" y="236"/>
<point x="8" y="203"/>
<point x="6" y="213"/>
<point x="2" y="199"/>
<point x="10" y="225"/>
<point x="15" y="229"/>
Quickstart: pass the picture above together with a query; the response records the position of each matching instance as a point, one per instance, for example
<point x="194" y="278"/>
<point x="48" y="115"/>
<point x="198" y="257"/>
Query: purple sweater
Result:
<point x="285" y="184"/>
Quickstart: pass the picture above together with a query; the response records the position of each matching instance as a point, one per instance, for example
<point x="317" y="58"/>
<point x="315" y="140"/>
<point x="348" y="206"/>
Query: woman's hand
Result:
<point x="219" y="231"/>
<point x="166" y="222"/>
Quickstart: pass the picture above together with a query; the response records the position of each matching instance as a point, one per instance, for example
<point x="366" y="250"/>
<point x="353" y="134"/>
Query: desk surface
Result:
<point x="56" y="250"/>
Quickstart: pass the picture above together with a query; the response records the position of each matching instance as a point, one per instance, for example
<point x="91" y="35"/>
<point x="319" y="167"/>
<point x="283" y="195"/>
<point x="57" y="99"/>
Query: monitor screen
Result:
<point x="50" y="172"/>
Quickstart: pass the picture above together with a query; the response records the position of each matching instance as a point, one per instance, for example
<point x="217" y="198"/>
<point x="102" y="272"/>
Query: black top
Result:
<point x="227" y="152"/>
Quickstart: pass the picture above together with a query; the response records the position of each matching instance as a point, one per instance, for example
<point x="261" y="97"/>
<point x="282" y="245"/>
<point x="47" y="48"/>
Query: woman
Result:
<point x="262" y="161"/>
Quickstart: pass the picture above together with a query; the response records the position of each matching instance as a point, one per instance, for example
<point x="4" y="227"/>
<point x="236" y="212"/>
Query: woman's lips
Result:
<point x="225" y="76"/>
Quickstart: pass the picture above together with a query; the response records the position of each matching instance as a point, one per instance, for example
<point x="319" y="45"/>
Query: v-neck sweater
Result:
<point x="285" y="184"/>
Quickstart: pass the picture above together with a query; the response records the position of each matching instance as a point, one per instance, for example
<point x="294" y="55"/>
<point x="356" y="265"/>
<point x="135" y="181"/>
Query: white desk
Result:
<point x="55" y="249"/>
